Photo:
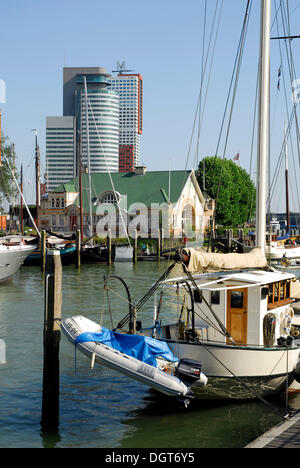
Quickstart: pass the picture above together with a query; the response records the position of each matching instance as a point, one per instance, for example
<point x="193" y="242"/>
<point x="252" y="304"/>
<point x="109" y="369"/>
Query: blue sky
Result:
<point x="162" y="40"/>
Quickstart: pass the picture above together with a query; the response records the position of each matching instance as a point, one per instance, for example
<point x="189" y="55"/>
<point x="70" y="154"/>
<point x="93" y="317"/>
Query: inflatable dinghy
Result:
<point x="144" y="359"/>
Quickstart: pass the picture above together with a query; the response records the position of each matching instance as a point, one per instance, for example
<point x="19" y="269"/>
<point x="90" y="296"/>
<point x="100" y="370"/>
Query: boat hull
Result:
<point x="240" y="373"/>
<point x="279" y="252"/>
<point x="67" y="256"/>
<point x="96" y="254"/>
<point x="11" y="260"/>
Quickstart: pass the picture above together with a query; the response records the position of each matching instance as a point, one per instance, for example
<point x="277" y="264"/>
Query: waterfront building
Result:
<point x="60" y="150"/>
<point x="144" y="200"/>
<point x="130" y="89"/>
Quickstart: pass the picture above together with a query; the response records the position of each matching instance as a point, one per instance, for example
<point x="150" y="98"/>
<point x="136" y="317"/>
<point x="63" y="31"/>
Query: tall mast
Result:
<point x="0" y="140"/>
<point x="87" y="134"/>
<point x="21" y="201"/>
<point x="263" y="124"/>
<point x="288" y="218"/>
<point x="80" y="185"/>
<point x="37" y="180"/>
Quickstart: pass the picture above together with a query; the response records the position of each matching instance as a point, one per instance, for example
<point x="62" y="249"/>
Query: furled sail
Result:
<point x="200" y="260"/>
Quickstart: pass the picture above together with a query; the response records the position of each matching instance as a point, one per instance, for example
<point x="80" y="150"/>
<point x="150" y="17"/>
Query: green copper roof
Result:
<point x="152" y="187"/>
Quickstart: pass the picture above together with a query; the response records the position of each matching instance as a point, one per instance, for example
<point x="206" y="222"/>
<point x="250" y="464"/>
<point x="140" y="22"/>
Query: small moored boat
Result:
<point x="142" y="358"/>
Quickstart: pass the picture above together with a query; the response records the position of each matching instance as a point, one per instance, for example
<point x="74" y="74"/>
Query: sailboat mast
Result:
<point x="21" y="201"/>
<point x="0" y="141"/>
<point x="37" y="181"/>
<point x="288" y="218"/>
<point x="80" y="185"/>
<point x="88" y="157"/>
<point x="263" y="124"/>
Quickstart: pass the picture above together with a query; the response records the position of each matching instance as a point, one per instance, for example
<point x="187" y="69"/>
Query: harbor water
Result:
<point x="99" y="407"/>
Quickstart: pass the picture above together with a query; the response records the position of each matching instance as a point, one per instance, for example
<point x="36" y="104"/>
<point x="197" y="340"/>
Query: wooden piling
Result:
<point x="52" y="333"/>
<point x="78" y="249"/>
<point x="108" y="243"/>
<point x="135" y="249"/>
<point x="158" y="244"/>
<point x="43" y="250"/>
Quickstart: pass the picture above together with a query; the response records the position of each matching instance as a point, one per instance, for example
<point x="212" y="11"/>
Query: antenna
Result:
<point x="121" y="68"/>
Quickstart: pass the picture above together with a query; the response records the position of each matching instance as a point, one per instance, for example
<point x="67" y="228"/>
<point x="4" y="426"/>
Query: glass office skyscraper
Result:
<point x="130" y="89"/>
<point x="60" y="151"/>
<point x="103" y="115"/>
<point x="103" y="126"/>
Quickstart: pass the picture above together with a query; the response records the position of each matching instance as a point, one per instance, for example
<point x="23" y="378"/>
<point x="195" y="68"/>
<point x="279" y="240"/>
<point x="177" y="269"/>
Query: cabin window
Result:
<point x="276" y="293"/>
<point x="215" y="297"/>
<point x="288" y="289"/>
<point x="279" y="294"/>
<point x="282" y="291"/>
<point x="237" y="300"/>
<point x="271" y="294"/>
<point x="197" y="296"/>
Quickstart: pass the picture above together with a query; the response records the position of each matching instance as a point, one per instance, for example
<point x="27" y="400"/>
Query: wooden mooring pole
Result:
<point x="52" y="333"/>
<point x="135" y="249"/>
<point x="43" y="250"/>
<point x="108" y="243"/>
<point x="78" y="249"/>
<point x="158" y="244"/>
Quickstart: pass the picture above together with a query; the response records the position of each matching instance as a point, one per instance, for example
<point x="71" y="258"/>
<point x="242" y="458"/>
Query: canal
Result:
<point x="100" y="408"/>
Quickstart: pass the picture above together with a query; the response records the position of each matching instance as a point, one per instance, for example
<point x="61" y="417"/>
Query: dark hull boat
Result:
<point x="96" y="254"/>
<point x="67" y="255"/>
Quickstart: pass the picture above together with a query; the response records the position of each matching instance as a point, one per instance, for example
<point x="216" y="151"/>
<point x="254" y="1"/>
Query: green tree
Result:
<point x="231" y="187"/>
<point x="8" y="189"/>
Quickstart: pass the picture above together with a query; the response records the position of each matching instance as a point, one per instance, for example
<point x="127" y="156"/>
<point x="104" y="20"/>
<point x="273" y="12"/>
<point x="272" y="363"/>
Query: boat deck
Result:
<point x="285" y="435"/>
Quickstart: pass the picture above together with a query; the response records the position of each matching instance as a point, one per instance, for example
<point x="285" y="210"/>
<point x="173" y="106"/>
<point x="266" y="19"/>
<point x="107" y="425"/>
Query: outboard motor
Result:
<point x="190" y="372"/>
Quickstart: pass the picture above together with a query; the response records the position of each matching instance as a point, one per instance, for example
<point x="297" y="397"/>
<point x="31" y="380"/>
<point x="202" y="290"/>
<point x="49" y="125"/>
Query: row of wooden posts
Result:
<point x="108" y="244"/>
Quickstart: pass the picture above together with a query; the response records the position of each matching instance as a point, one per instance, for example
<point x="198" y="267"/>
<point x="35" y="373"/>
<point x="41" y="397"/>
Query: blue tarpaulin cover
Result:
<point x="143" y="348"/>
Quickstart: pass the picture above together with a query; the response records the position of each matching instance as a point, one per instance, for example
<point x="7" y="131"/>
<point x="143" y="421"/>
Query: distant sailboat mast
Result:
<point x="87" y="135"/>
<point x="288" y="218"/>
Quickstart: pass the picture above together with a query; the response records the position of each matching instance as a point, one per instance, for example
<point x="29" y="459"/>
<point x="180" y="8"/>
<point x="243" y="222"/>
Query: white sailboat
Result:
<point x="232" y="338"/>
<point x="12" y="257"/>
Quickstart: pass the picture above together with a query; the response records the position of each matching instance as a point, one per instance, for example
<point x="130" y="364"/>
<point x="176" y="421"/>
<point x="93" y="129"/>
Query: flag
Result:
<point x="237" y="157"/>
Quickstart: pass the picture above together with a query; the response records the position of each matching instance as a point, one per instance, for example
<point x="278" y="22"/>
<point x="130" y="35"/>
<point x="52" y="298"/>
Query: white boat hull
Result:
<point x="124" y="254"/>
<point x="279" y="252"/>
<point x="240" y="372"/>
<point x="135" y="369"/>
<point x="11" y="259"/>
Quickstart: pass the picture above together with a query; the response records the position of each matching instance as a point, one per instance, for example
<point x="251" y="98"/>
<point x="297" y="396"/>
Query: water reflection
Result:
<point x="163" y="422"/>
<point x="102" y="408"/>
